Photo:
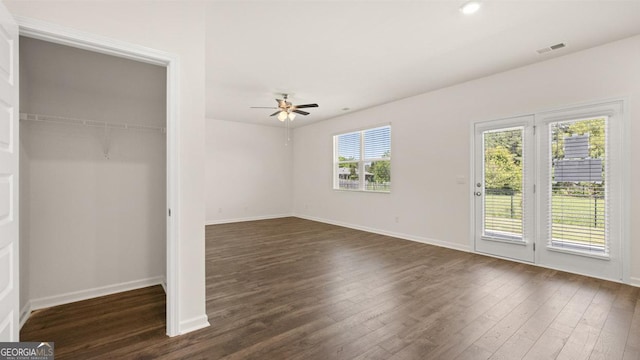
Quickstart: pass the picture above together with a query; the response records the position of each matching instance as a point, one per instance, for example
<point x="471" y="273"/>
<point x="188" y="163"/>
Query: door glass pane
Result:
<point x="503" y="183"/>
<point x="578" y="197"/>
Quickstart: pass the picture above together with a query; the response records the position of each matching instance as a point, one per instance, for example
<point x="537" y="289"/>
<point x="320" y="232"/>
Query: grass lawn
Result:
<point x="577" y="219"/>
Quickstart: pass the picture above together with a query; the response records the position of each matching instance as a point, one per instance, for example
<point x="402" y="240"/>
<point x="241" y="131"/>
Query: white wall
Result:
<point x="248" y="172"/>
<point x="94" y="202"/>
<point x="177" y="28"/>
<point x="430" y="144"/>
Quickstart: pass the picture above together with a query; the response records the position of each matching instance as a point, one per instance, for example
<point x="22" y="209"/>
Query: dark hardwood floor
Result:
<point x="296" y="289"/>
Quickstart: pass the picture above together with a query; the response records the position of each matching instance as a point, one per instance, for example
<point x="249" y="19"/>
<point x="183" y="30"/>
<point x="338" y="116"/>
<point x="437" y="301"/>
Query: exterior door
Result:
<point x="502" y="181"/>
<point x="9" y="306"/>
<point x="551" y="189"/>
<point x="581" y="192"/>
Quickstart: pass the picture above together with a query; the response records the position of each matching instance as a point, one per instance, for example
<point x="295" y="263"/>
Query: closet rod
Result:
<point x="84" y="122"/>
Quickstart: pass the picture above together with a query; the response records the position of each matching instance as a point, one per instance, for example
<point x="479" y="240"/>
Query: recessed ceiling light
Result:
<point x="470" y="7"/>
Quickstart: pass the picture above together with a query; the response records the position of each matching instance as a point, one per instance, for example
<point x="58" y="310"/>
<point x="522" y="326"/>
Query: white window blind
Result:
<point x="579" y="205"/>
<point x="362" y="160"/>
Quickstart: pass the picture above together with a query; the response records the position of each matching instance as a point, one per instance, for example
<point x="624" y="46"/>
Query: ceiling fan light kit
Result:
<point x="286" y="110"/>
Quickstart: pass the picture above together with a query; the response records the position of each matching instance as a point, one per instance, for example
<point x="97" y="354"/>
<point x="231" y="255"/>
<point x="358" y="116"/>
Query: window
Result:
<point x="362" y="160"/>
<point x="578" y="177"/>
<point x="503" y="183"/>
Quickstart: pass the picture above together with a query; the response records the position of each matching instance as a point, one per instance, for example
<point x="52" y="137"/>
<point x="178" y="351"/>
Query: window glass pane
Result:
<point x="378" y="175"/>
<point x="348" y="176"/>
<point x="578" y="201"/>
<point x="503" y="174"/>
<point x="377" y="143"/>
<point x="349" y="146"/>
<point x="367" y="151"/>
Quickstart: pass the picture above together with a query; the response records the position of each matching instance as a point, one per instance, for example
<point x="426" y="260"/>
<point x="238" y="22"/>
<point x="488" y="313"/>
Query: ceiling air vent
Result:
<point x="551" y="48"/>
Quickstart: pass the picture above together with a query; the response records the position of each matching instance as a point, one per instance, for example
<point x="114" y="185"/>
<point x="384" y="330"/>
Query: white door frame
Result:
<point x="65" y="36"/>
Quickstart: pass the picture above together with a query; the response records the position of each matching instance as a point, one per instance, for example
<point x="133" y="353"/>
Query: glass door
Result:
<point x="503" y="183"/>
<point x="581" y="198"/>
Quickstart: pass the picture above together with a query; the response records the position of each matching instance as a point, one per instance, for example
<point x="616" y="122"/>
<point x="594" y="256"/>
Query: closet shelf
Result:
<point x="91" y="123"/>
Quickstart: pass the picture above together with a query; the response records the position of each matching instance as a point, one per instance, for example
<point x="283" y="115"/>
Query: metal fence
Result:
<point x="368" y="185"/>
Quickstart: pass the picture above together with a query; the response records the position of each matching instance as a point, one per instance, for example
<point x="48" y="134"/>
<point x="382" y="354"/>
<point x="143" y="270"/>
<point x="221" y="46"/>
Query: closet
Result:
<point x="92" y="174"/>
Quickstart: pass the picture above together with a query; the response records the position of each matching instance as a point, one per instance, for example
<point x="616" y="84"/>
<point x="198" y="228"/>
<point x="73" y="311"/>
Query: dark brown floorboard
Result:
<point x="296" y="289"/>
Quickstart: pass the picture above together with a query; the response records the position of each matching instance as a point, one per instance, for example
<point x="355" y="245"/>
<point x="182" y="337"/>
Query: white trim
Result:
<point x="193" y="324"/>
<point x="634" y="281"/>
<point x="57" y="34"/>
<point x="66" y="36"/>
<point x="403" y="236"/>
<point x="25" y="313"/>
<point x="557" y="269"/>
<point x="250" y="218"/>
<point x="174" y="182"/>
<point x="472" y="187"/>
<point x="55" y="300"/>
<point x="625" y="161"/>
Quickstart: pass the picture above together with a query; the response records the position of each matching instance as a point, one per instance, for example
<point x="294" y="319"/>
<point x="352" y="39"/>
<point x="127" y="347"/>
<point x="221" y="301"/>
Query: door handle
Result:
<point x="477" y="193"/>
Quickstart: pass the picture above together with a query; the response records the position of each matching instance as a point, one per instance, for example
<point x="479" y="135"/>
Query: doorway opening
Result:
<point x="53" y="34"/>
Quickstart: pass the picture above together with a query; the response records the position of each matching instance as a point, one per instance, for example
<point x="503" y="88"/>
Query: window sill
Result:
<point x="508" y="241"/>
<point x="579" y="253"/>
<point x="363" y="191"/>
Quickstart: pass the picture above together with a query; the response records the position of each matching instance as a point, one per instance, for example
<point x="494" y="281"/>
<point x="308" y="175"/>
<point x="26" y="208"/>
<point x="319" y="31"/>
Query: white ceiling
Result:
<point x="360" y="54"/>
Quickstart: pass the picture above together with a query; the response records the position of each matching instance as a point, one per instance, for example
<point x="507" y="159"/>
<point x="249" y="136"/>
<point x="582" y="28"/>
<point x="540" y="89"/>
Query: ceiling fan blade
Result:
<point x="306" y="106"/>
<point x="301" y="112"/>
<point x="262" y="107"/>
<point x="275" y="113"/>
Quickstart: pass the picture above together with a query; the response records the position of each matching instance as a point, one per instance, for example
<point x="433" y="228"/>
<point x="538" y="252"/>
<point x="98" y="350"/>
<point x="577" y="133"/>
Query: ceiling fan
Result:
<point x="286" y="109"/>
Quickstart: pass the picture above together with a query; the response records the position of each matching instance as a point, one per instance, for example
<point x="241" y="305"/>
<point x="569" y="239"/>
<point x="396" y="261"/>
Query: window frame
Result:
<point x="361" y="162"/>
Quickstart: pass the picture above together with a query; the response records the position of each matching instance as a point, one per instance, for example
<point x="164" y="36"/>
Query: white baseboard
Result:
<point x="193" y="324"/>
<point x="25" y="312"/>
<point x="403" y="236"/>
<point x="251" y="218"/>
<point x="634" y="281"/>
<point x="74" y="296"/>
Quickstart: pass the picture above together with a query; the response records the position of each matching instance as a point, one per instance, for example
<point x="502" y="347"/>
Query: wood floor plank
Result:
<point x="296" y="289"/>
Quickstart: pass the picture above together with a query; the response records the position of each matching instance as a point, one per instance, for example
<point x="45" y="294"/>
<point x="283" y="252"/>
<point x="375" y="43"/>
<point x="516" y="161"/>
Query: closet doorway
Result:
<point x="108" y="228"/>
